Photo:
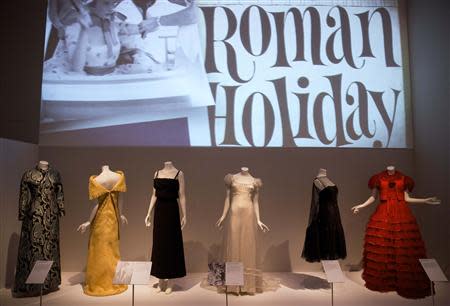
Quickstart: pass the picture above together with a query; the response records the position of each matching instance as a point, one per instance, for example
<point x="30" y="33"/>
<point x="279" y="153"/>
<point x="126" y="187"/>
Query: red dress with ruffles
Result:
<point x="393" y="243"/>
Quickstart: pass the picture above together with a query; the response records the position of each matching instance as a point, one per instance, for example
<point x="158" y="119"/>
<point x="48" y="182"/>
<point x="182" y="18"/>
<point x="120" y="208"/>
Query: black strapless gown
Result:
<point x="167" y="252"/>
<point x="325" y="239"/>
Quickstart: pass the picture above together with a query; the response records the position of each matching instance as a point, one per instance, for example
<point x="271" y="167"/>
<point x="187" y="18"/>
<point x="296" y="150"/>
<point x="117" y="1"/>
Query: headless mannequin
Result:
<point x="107" y="179"/>
<point x="43" y="165"/>
<point x="322" y="181"/>
<point x="372" y="198"/>
<point x="168" y="171"/>
<point x="243" y="177"/>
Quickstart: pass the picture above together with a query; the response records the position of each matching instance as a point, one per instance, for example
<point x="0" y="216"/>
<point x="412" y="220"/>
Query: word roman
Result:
<point x="343" y="41"/>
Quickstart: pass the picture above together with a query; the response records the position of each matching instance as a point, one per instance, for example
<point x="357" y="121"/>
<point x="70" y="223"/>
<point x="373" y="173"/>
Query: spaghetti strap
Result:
<point x="176" y="175"/>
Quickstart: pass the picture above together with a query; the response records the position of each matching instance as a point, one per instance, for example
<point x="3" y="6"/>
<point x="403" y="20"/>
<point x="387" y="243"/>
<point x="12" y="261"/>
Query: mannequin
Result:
<point x="41" y="205"/>
<point x="393" y="242"/>
<point x="104" y="236"/>
<point x="324" y="238"/>
<point x="241" y="218"/>
<point x="43" y="165"/>
<point x="322" y="181"/>
<point x="167" y="175"/>
<point x="245" y="177"/>
<point x="107" y="179"/>
<point x="391" y="171"/>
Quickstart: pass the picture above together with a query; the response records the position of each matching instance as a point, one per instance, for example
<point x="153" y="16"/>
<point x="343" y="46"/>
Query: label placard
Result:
<point x="333" y="271"/>
<point x="39" y="272"/>
<point x="234" y="274"/>
<point x="433" y="270"/>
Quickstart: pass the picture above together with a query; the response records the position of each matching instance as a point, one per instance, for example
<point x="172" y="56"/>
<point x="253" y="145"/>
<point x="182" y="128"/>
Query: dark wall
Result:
<point x="23" y="24"/>
<point x="429" y="44"/>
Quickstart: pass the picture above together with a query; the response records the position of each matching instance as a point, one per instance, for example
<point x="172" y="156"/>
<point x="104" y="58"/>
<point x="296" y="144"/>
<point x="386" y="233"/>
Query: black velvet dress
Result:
<point x="325" y="239"/>
<point x="167" y="251"/>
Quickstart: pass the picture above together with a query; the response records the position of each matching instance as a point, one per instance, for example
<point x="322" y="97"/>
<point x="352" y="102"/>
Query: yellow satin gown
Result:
<point x="103" y="249"/>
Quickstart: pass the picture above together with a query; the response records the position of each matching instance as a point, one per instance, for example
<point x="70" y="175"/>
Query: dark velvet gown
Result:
<point x="41" y="204"/>
<point x="325" y="239"/>
<point x="167" y="252"/>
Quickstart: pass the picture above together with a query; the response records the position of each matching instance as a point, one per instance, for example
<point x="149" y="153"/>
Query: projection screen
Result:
<point x="280" y="73"/>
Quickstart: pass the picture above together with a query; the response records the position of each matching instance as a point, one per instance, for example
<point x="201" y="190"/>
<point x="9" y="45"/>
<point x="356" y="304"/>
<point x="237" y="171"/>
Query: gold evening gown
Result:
<point x="103" y="249"/>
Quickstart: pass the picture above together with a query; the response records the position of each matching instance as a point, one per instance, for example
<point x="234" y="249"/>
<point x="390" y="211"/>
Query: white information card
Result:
<point x="234" y="274"/>
<point x="433" y="270"/>
<point x="132" y="273"/>
<point x="141" y="273"/>
<point x="39" y="272"/>
<point x="333" y="271"/>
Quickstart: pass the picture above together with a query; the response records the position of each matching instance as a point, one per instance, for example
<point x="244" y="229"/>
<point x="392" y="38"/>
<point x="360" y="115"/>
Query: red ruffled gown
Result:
<point x="393" y="243"/>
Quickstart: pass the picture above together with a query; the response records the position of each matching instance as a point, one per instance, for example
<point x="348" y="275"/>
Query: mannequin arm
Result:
<point x="432" y="200"/>
<point x="226" y="207"/>
<point x="122" y="217"/>
<point x="182" y="199"/>
<point x="82" y="228"/>
<point x="370" y="200"/>
<point x="148" y="219"/>
<point x="261" y="225"/>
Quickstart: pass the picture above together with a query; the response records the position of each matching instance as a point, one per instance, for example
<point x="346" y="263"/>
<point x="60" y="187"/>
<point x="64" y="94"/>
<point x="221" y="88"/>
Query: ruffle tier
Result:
<point x="392" y="249"/>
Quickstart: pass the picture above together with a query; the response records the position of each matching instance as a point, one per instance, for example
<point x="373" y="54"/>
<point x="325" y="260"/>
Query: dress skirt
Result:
<point x="167" y="253"/>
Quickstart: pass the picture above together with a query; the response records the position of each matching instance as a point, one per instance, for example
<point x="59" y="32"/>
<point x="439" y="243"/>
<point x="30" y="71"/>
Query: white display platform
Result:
<point x="296" y="289"/>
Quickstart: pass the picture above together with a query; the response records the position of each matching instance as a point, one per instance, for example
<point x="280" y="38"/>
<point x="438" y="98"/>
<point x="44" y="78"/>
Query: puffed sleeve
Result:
<point x="374" y="182"/>
<point x="409" y="183"/>
<point x="228" y="179"/>
<point x="258" y="183"/>
<point x="24" y="197"/>
<point x="60" y="195"/>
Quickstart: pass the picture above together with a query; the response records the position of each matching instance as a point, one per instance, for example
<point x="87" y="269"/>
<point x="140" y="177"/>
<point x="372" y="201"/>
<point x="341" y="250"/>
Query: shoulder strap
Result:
<point x="320" y="183"/>
<point x="177" y="174"/>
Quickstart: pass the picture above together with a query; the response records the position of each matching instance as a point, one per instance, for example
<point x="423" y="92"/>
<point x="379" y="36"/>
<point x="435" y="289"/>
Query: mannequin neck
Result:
<point x="244" y="171"/>
<point x="390" y="170"/>
<point x="322" y="173"/>
<point x="168" y="165"/>
<point x="105" y="168"/>
<point x="43" y="165"/>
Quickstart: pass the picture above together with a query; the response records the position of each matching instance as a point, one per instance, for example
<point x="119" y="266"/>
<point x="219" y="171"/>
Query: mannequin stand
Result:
<point x="432" y="292"/>
<point x="332" y="294"/>
<point x="226" y="295"/>
<point x="40" y="296"/>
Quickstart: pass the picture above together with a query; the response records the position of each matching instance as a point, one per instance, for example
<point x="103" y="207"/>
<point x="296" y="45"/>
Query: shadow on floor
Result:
<point x="299" y="281"/>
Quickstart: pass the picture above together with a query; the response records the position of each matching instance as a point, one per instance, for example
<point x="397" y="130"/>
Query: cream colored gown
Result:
<point x="240" y="238"/>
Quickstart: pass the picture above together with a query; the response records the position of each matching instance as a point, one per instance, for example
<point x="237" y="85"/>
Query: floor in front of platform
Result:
<point x="296" y="289"/>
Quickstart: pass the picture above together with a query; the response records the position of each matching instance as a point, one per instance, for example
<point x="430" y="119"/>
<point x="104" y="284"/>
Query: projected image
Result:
<point x="113" y="63"/>
<point x="231" y="73"/>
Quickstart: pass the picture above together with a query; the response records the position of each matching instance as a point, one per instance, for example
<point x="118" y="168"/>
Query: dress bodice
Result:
<point x="329" y="194"/>
<point x="391" y="186"/>
<point x="166" y="188"/>
<point x="245" y="190"/>
<point x="41" y="192"/>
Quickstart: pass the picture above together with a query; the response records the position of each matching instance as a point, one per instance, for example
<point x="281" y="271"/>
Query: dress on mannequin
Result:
<point x="240" y="236"/>
<point x="103" y="247"/>
<point x="393" y="243"/>
<point x="41" y="204"/>
<point x="325" y="239"/>
<point x="167" y="252"/>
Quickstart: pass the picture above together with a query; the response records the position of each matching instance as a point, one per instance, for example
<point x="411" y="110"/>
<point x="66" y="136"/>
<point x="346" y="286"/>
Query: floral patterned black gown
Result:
<point x="40" y="206"/>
